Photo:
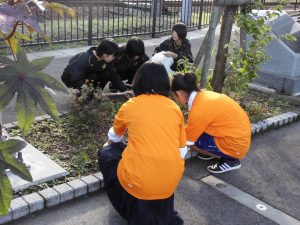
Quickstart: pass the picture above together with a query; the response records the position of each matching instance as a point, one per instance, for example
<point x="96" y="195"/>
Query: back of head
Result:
<point x="134" y="47"/>
<point x="186" y="82"/>
<point x="151" y="78"/>
<point x="107" y="46"/>
<point x="181" y="30"/>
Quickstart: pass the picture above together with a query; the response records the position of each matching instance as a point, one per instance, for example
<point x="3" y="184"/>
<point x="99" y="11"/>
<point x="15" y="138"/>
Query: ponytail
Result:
<point x="186" y="82"/>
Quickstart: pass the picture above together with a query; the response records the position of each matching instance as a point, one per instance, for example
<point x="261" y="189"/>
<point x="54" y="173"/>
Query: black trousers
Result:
<point x="134" y="211"/>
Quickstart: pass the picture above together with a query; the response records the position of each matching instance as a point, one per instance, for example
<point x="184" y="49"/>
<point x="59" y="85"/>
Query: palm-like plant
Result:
<point x="26" y="80"/>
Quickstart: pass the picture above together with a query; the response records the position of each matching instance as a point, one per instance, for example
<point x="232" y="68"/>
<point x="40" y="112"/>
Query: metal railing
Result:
<point x="97" y="19"/>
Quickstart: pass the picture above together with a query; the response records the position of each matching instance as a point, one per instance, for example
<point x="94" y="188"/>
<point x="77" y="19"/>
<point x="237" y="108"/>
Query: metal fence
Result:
<point x="97" y="19"/>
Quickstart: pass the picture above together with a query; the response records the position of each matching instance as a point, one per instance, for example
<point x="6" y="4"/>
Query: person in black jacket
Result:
<point x="95" y="65"/>
<point x="132" y="56"/>
<point x="178" y="46"/>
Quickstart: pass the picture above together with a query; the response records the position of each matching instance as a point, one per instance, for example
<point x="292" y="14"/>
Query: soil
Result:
<point x="73" y="141"/>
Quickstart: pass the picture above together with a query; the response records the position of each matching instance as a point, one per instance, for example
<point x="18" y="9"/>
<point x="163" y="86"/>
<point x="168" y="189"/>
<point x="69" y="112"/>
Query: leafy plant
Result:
<point x="18" y="13"/>
<point x="186" y="66"/>
<point x="7" y="161"/>
<point x="27" y="80"/>
<point x="244" y="63"/>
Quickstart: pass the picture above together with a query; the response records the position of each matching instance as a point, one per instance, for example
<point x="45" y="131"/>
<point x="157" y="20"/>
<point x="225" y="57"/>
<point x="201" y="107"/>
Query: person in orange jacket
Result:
<point x="217" y="126"/>
<point x="141" y="178"/>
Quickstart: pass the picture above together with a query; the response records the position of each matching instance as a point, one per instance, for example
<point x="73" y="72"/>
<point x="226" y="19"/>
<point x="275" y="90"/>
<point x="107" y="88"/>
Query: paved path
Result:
<point x="269" y="179"/>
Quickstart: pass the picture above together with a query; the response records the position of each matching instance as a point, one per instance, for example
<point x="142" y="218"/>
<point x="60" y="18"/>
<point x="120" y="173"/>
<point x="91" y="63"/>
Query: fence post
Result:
<point x="154" y="15"/>
<point x="186" y="11"/>
<point x="295" y="5"/>
<point x="90" y="23"/>
<point x="201" y="14"/>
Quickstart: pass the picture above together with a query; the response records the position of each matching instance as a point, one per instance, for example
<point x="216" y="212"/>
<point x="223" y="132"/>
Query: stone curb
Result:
<point x="265" y="125"/>
<point x="50" y="197"/>
<point x="58" y="194"/>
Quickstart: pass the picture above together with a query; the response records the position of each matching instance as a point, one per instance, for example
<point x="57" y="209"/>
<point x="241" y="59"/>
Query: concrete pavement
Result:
<point x="269" y="175"/>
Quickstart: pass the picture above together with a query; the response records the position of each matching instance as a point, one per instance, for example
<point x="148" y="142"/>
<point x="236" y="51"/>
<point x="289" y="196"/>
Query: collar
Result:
<point x="191" y="99"/>
<point x="95" y="55"/>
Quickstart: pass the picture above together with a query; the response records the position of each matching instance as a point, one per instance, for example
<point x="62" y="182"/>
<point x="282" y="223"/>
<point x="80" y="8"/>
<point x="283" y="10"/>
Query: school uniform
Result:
<point x="127" y="67"/>
<point x="85" y="66"/>
<point x="183" y="51"/>
<point x="141" y="178"/>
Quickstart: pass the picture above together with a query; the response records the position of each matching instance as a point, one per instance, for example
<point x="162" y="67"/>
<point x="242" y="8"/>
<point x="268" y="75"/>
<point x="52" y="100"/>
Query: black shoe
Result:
<point x="224" y="165"/>
<point x="204" y="157"/>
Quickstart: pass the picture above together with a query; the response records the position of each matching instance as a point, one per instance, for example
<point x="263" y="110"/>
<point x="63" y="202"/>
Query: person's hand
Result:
<point x="129" y="94"/>
<point x="170" y="54"/>
<point x="108" y="143"/>
<point x="128" y="86"/>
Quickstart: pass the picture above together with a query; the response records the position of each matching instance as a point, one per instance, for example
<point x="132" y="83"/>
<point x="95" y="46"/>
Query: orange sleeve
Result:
<point x="120" y="122"/>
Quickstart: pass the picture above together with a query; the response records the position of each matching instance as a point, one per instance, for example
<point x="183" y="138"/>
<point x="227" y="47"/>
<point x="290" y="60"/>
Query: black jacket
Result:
<point x="85" y="66"/>
<point x="184" y="51"/>
<point x="127" y="67"/>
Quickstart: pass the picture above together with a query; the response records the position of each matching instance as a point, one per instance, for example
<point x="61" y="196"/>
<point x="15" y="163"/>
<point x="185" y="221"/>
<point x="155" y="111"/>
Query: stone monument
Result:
<point x="282" y="71"/>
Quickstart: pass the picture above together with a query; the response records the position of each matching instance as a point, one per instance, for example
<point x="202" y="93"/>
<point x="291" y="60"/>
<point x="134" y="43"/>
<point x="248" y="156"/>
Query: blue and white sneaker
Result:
<point x="224" y="165"/>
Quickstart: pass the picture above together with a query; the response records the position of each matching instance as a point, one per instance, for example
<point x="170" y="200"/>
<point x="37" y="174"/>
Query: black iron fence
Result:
<point x="97" y="19"/>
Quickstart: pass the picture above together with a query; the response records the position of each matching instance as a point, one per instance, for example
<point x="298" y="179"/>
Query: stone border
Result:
<point x="264" y="125"/>
<point x="50" y="197"/>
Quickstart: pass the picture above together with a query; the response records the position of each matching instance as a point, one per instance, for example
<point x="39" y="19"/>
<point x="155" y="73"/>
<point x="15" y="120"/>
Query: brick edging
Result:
<point x="25" y="205"/>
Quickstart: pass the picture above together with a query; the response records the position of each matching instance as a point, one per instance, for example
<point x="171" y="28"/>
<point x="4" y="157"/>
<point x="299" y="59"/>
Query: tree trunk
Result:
<point x="221" y="58"/>
<point x="215" y="17"/>
<point x="242" y="32"/>
<point x="201" y="51"/>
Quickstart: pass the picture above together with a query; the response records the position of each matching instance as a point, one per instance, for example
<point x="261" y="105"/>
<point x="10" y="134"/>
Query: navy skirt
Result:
<point x="134" y="211"/>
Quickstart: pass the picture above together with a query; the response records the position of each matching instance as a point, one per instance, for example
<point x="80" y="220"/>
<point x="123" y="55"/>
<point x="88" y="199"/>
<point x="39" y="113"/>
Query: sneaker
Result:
<point x="204" y="157"/>
<point x="224" y="165"/>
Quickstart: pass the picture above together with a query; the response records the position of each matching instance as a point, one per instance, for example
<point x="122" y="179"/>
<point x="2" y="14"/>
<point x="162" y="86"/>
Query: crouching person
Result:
<point x="95" y="65"/>
<point x="217" y="126"/>
<point x="132" y="56"/>
<point x="141" y="178"/>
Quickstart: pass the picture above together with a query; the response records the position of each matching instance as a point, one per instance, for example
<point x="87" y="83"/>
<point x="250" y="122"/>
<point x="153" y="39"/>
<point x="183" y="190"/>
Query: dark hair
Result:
<point x="181" y="30"/>
<point x="151" y="78"/>
<point x="186" y="82"/>
<point x="134" y="47"/>
<point x="107" y="46"/>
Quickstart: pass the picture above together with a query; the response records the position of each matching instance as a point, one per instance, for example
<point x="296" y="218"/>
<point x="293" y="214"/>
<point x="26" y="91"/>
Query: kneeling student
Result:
<point x="95" y="65"/>
<point x="141" y="178"/>
<point x="217" y="126"/>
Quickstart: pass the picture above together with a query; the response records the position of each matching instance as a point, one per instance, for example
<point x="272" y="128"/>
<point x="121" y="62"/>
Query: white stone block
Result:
<point x="93" y="183"/>
<point x="35" y="202"/>
<point x="66" y="192"/>
<point x="80" y="188"/>
<point x="51" y="197"/>
<point x="19" y="208"/>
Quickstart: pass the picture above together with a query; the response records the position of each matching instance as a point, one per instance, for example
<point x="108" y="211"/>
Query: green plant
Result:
<point x="244" y="63"/>
<point x="8" y="161"/>
<point x="27" y="80"/>
<point x="186" y="66"/>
